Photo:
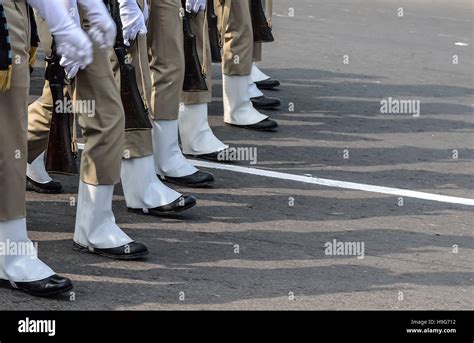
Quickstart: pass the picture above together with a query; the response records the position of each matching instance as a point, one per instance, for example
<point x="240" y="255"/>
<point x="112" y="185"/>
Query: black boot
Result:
<point x="266" y="103"/>
<point x="131" y="251"/>
<point x="182" y="204"/>
<point x="268" y="84"/>
<point x="49" y="287"/>
<point x="198" y="179"/>
<point x="52" y="187"/>
<point x="265" y="125"/>
<point x="218" y="156"/>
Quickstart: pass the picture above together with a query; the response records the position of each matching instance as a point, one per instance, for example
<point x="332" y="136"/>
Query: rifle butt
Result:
<point x="60" y="158"/>
<point x="262" y="31"/>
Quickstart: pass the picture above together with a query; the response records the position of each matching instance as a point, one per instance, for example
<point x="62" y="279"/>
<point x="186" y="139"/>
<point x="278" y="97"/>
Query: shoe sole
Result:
<point x="216" y="160"/>
<point x="203" y="158"/>
<point x="275" y="108"/>
<point x="164" y="213"/>
<point x="7" y="284"/>
<point x="275" y="129"/>
<point x="194" y="185"/>
<point x="32" y="188"/>
<point x="80" y="248"/>
<point x="268" y="88"/>
<point x="210" y="159"/>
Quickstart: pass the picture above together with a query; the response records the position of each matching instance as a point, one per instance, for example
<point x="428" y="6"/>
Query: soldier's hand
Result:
<point x="194" y="6"/>
<point x="133" y="21"/>
<point x="76" y="47"/>
<point x="103" y="30"/>
<point x="71" y="67"/>
<point x="71" y="41"/>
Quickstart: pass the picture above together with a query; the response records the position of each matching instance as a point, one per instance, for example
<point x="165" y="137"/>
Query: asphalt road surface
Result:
<point x="257" y="242"/>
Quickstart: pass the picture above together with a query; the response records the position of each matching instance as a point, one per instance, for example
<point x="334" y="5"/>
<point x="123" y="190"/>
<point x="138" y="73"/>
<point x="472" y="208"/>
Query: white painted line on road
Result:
<point x="337" y="184"/>
<point x="461" y="44"/>
<point x="332" y="183"/>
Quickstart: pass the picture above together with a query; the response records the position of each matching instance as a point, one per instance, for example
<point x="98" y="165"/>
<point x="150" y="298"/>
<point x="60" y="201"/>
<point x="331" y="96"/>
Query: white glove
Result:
<point x="71" y="6"/>
<point x="132" y="19"/>
<point x="71" y="41"/>
<point x="71" y="67"/>
<point x="103" y="30"/>
<point x="194" y="6"/>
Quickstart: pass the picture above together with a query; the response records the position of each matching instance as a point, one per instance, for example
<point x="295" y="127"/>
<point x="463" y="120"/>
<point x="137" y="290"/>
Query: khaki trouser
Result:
<point x="200" y="28"/>
<point x="236" y="22"/>
<point x="103" y="130"/>
<point x="166" y="56"/>
<point x="257" y="52"/>
<point x="13" y="117"/>
<point x="138" y="143"/>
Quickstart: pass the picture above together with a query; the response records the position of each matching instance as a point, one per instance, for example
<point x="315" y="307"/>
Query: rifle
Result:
<point x="61" y="153"/>
<point x="262" y="31"/>
<point x="136" y="112"/>
<point x="213" y="33"/>
<point x="194" y="79"/>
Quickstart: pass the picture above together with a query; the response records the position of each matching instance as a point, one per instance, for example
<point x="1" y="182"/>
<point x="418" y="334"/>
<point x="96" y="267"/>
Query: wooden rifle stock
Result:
<point x="61" y="152"/>
<point x="262" y="32"/>
<point x="213" y="33"/>
<point x="136" y="113"/>
<point x="194" y="79"/>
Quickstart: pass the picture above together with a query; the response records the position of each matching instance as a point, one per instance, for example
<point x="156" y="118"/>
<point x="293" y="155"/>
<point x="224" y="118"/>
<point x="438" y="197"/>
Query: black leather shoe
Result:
<point x="213" y="156"/>
<point x="265" y="125"/>
<point x="179" y="205"/>
<point x="265" y="103"/>
<point x="52" y="187"/>
<point x="49" y="287"/>
<point x="218" y="156"/>
<point x="268" y="84"/>
<point x="198" y="179"/>
<point x="131" y="251"/>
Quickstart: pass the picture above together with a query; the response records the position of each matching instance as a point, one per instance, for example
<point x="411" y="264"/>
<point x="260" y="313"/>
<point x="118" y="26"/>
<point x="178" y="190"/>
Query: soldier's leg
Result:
<point x="166" y="53"/>
<point x="197" y="138"/>
<point x="143" y="190"/>
<point x="259" y="100"/>
<point x="258" y="77"/>
<point x="236" y="29"/>
<point x="257" y="57"/>
<point x="258" y="81"/>
<point x="103" y="130"/>
<point x="23" y="271"/>
<point x="39" y="121"/>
